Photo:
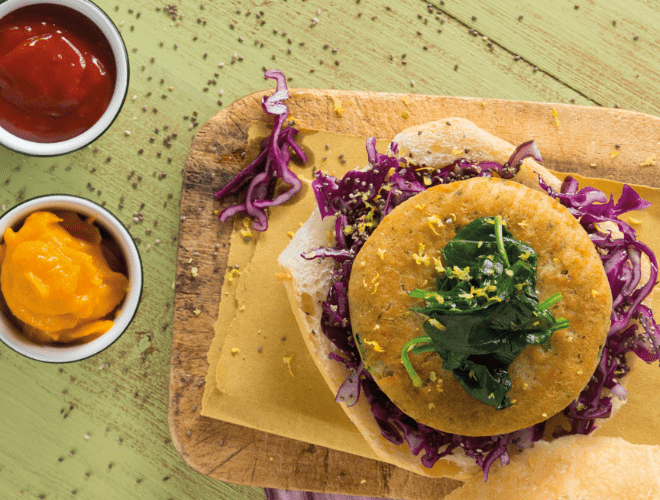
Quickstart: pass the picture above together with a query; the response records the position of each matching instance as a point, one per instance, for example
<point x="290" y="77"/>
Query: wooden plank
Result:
<point x="601" y="50"/>
<point x="231" y="453"/>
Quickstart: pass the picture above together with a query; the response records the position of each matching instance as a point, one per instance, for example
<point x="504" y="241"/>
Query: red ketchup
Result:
<point x="57" y="73"/>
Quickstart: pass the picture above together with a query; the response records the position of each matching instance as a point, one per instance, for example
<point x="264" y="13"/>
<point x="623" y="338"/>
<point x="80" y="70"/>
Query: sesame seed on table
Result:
<point x="98" y="428"/>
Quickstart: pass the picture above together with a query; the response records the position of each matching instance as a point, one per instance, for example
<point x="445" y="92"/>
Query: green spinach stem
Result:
<point x="418" y="345"/>
<point x="500" y="241"/>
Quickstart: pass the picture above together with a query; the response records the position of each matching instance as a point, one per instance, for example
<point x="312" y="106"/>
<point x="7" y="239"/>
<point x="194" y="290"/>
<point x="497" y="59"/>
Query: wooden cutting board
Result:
<point x="594" y="142"/>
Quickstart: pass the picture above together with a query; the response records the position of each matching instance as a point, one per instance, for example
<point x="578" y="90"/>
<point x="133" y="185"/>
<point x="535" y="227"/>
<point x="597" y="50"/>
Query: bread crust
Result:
<point x="572" y="468"/>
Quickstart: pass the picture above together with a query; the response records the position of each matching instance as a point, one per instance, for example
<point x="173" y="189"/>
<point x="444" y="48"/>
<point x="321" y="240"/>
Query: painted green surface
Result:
<point x="99" y="427"/>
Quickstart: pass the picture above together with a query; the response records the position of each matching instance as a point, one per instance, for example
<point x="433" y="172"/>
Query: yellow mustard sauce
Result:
<point x="56" y="280"/>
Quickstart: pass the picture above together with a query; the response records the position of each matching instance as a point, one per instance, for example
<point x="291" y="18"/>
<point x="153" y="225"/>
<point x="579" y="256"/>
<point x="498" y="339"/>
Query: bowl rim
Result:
<point x="69" y="354"/>
<point x="102" y="20"/>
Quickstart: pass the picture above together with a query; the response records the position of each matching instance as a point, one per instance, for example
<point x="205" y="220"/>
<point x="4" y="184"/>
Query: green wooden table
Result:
<point x="98" y="429"/>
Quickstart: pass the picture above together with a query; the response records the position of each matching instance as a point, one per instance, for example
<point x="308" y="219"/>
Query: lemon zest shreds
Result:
<point x="375" y="345"/>
<point x="437" y="262"/>
<point x="434" y="219"/>
<point x="420" y="257"/>
<point x="434" y="322"/>
<point x="556" y="117"/>
<point x="461" y="274"/>
<point x="376" y="283"/>
<point x="287" y="361"/>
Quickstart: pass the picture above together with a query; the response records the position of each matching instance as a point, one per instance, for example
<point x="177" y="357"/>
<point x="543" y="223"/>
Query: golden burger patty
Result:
<point x="398" y="258"/>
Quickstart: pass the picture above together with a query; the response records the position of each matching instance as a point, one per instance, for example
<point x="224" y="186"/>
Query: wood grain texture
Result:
<point x="579" y="139"/>
<point x="120" y="397"/>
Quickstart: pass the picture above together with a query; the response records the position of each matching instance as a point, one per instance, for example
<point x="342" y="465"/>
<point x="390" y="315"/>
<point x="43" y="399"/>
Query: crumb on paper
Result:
<point x="287" y="361"/>
<point x="405" y="115"/>
<point x="556" y="117"/>
<point x="291" y="234"/>
<point x="194" y="271"/>
<point x="190" y="260"/>
<point x="197" y="311"/>
<point x="614" y="154"/>
<point x="650" y="161"/>
<point x="405" y="101"/>
<point x="234" y="350"/>
<point x="593" y="165"/>
<point x="233" y="272"/>
<point x="246" y="232"/>
<point x="363" y="481"/>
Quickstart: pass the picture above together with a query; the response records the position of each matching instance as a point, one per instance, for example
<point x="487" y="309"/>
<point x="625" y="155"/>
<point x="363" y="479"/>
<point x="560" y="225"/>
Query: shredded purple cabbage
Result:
<point x="622" y="261"/>
<point x="258" y="179"/>
<point x="361" y="199"/>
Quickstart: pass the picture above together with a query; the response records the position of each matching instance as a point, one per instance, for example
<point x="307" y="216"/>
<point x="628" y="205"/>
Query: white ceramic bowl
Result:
<point x="107" y="27"/>
<point x="11" y="336"/>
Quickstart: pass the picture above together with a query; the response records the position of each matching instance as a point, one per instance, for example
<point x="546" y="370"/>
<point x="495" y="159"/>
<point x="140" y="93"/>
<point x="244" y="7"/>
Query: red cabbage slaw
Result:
<point x="271" y="164"/>
<point x="388" y="181"/>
